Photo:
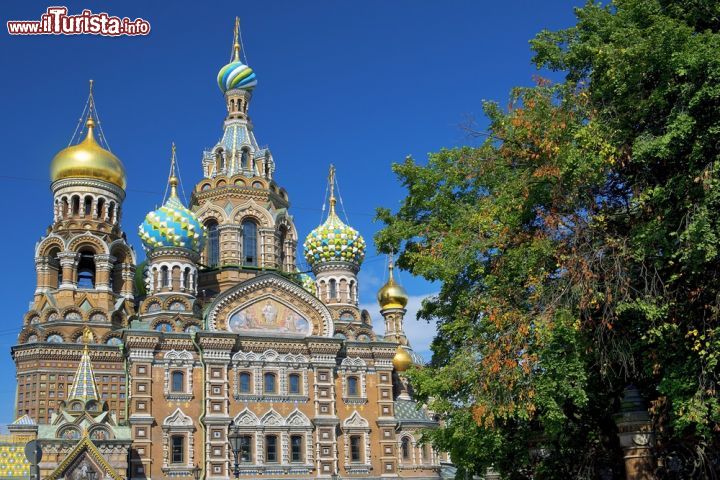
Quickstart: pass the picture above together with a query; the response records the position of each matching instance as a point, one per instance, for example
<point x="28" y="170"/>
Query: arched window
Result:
<point x="352" y="387"/>
<point x="164" y="277"/>
<point x="270" y="384"/>
<point x="178" y="381"/>
<point x="55" y="338"/>
<point x="294" y="384"/>
<point x="425" y="450"/>
<point x="245" y="159"/>
<point x="75" y="205"/>
<point x="283" y="239"/>
<point x="333" y="288"/>
<point x="249" y="234"/>
<point x="111" y="212"/>
<point x="213" y="244"/>
<point x="245" y="383"/>
<point x="88" y="206"/>
<point x="405" y="448"/>
<point x="55" y="277"/>
<point x="86" y="270"/>
<point x="101" y="209"/>
<point x="186" y="278"/>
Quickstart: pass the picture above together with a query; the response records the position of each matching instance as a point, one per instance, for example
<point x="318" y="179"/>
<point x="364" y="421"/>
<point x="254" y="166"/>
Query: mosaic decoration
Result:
<point x="333" y="241"/>
<point x="270" y="317"/>
<point x="13" y="463"/>
<point x="172" y="225"/>
<point x="236" y="75"/>
<point x="308" y="283"/>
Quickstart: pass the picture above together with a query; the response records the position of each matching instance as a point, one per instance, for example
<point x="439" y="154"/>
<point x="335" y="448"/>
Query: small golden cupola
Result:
<point x="402" y="359"/>
<point x="88" y="159"/>
<point x="392" y="294"/>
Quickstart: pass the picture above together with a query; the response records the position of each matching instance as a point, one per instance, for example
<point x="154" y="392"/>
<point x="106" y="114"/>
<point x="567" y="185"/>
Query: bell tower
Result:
<point x="84" y="266"/>
<point x="243" y="209"/>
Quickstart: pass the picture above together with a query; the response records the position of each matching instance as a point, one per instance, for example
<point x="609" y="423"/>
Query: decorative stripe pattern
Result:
<point x="236" y="75"/>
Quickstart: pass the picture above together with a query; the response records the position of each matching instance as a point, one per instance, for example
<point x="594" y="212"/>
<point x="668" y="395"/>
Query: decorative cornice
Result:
<point x="88" y="182"/>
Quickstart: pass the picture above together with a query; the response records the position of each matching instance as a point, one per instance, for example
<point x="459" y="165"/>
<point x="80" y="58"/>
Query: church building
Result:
<point x="217" y="357"/>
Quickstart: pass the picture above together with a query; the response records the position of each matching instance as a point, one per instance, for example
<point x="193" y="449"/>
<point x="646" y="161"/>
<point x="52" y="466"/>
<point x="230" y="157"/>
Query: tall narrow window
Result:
<point x="245" y="453"/>
<point x="245" y="160"/>
<point x="164" y="276"/>
<point x="271" y="449"/>
<point x="88" y="206"/>
<point x="178" y="449"/>
<point x="333" y="288"/>
<point x="75" y="205"/>
<point x="294" y="384"/>
<point x="283" y="239"/>
<point x="178" y="381"/>
<point x="425" y="453"/>
<point x="269" y="381"/>
<point x="352" y="387"/>
<point x="405" y="448"/>
<point x="249" y="235"/>
<point x="213" y="245"/>
<point x="296" y="442"/>
<point x="86" y="270"/>
<point x="245" y="382"/>
<point x="355" y="451"/>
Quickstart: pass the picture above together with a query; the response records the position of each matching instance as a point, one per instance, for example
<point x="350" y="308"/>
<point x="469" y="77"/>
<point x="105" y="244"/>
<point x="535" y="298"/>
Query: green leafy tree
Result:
<point x="577" y="249"/>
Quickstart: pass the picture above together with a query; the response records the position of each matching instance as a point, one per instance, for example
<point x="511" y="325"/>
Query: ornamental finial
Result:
<point x="236" y="42"/>
<point x="331" y="181"/>
<point x="90" y="123"/>
<point x="173" y="179"/>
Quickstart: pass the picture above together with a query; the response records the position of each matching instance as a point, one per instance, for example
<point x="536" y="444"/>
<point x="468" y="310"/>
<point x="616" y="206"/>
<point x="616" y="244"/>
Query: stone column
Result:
<point x="127" y="274"/>
<point x="68" y="263"/>
<point x="637" y="438"/>
<point x="103" y="269"/>
<point x="42" y="268"/>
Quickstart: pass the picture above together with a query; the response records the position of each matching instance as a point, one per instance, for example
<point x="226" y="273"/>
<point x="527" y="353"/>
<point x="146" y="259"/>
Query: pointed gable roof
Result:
<point x="84" y="445"/>
<point x="84" y="387"/>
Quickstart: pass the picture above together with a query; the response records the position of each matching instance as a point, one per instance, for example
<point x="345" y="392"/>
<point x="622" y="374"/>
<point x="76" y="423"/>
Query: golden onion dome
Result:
<point x="88" y="159"/>
<point x="402" y="359"/>
<point x="392" y="294"/>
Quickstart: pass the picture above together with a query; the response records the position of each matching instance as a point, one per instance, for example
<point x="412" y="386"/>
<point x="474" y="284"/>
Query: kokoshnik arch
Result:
<point x="144" y="371"/>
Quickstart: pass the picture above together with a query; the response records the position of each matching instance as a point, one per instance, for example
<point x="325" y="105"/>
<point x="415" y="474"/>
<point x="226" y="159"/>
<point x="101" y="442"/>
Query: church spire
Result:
<point x="84" y="387"/>
<point x="236" y="42"/>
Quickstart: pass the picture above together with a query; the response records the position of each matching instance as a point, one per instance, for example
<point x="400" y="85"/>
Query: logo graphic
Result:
<point x="56" y="21"/>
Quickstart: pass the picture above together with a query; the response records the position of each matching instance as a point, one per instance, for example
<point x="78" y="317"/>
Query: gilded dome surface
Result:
<point x="172" y="225"/>
<point x="333" y="241"/>
<point x="88" y="159"/>
<point x="392" y="294"/>
<point x="402" y="359"/>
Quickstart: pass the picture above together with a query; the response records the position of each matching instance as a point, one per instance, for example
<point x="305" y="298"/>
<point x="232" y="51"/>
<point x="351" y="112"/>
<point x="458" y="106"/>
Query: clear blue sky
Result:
<point x="360" y="84"/>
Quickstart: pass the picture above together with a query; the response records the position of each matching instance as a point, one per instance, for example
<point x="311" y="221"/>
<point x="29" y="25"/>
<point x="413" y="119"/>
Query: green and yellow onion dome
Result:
<point x="308" y="283"/>
<point x="333" y="241"/>
<point x="88" y="159"/>
<point x="172" y="225"/>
